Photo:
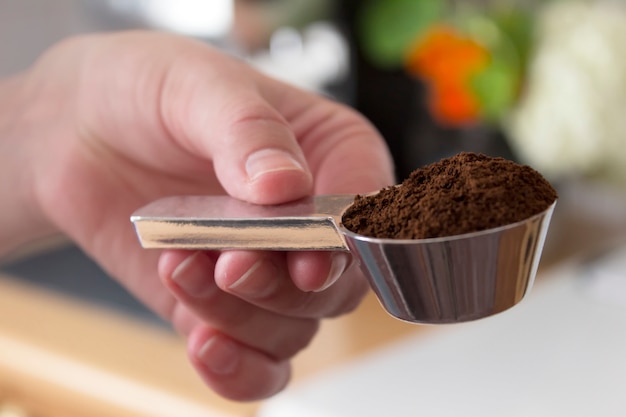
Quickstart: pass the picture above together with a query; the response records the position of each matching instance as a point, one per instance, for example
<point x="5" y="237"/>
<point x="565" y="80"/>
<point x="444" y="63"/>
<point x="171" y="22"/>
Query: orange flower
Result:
<point x="452" y="104"/>
<point x="446" y="60"/>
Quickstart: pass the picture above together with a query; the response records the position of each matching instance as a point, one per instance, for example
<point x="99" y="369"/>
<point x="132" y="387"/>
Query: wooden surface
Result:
<point x="63" y="357"/>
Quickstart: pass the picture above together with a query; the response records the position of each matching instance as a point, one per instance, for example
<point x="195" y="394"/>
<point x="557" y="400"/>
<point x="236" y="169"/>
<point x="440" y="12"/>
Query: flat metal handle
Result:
<point x="222" y="222"/>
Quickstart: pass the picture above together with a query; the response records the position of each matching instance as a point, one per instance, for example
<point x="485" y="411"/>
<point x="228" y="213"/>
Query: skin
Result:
<point x="101" y="125"/>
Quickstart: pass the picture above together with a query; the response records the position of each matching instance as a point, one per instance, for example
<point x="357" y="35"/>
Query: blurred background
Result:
<point x="539" y="82"/>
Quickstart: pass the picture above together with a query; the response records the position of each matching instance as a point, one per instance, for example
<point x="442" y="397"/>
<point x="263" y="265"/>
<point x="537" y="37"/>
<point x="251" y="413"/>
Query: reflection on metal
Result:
<point x="456" y="279"/>
<point x="220" y="222"/>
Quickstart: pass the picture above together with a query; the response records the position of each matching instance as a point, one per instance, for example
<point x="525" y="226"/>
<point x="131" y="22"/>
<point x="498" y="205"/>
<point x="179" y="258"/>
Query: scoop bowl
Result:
<point x="453" y="279"/>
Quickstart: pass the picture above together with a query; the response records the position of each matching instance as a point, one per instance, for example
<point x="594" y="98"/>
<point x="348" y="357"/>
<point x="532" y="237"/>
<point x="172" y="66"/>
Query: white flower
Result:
<point x="571" y="118"/>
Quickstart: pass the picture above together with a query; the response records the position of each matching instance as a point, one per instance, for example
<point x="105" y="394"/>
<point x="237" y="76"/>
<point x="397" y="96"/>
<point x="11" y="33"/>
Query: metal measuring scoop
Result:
<point x="439" y="280"/>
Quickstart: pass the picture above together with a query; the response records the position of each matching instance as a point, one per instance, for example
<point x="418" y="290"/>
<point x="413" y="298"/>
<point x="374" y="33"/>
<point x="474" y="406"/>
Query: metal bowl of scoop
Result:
<point x="431" y="281"/>
<point x="453" y="279"/>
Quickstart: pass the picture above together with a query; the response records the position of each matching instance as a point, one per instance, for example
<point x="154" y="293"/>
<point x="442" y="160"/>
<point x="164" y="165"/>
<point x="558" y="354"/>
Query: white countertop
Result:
<point x="561" y="352"/>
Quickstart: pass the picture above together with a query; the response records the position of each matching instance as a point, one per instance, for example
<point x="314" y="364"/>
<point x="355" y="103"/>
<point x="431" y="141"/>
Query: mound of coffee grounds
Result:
<point x="465" y="193"/>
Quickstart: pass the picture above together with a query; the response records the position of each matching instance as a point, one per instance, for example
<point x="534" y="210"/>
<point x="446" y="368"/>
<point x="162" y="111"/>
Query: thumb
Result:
<point x="254" y="150"/>
<point x="257" y="156"/>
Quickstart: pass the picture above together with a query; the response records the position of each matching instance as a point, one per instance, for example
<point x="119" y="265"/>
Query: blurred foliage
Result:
<point x="387" y="27"/>
<point x="393" y="34"/>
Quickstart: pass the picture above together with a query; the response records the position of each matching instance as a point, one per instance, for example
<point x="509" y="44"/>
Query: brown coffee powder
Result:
<point x="465" y="193"/>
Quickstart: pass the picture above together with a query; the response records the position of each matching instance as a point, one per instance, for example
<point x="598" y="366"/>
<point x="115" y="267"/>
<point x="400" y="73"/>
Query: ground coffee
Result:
<point x="465" y="193"/>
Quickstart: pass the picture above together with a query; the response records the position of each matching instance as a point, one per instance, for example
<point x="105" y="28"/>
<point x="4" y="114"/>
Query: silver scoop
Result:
<point x="440" y="280"/>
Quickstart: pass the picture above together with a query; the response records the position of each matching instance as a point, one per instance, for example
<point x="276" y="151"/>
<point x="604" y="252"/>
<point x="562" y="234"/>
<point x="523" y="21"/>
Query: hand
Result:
<point x="111" y="122"/>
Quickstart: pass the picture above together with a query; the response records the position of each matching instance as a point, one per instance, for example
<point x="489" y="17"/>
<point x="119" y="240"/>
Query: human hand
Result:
<point x="112" y="122"/>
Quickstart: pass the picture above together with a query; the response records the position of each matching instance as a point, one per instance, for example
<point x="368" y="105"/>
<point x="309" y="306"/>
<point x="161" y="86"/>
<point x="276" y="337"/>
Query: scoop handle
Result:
<point x="222" y="222"/>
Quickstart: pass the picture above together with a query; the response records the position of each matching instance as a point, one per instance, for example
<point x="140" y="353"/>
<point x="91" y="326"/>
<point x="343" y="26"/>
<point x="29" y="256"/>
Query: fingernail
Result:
<point x="220" y="355"/>
<point x="340" y="262"/>
<point x="254" y="284"/>
<point x="271" y="160"/>
<point x="191" y="276"/>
